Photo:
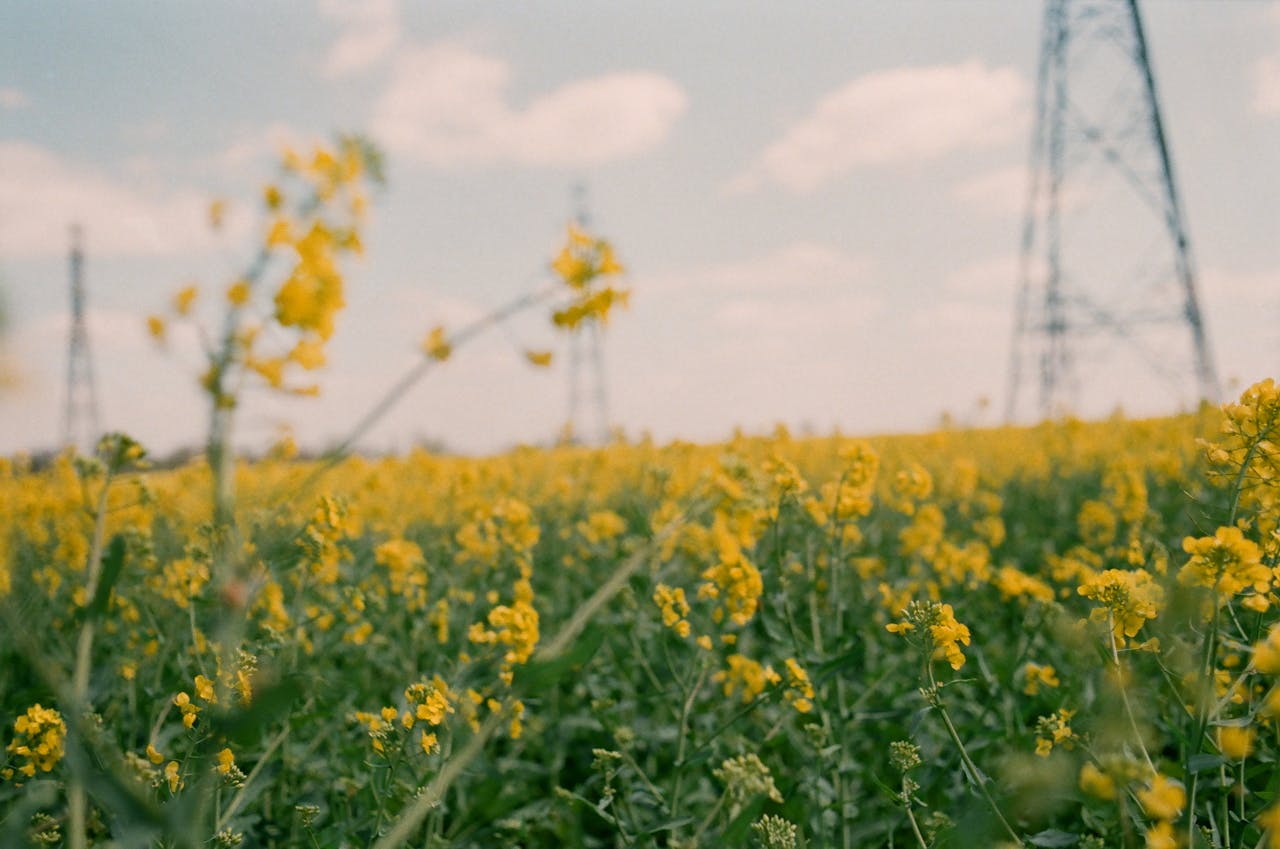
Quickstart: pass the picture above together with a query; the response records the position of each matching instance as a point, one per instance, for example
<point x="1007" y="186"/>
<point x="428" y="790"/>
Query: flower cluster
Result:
<point x="37" y="741"/>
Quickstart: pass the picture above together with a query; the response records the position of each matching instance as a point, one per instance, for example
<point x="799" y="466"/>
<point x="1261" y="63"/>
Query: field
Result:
<point x="1055" y="636"/>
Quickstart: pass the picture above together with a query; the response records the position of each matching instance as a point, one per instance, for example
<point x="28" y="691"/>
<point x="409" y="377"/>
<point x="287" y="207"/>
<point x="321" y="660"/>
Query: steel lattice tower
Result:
<point x="1106" y="283"/>
<point x="587" y="335"/>
<point x="80" y="423"/>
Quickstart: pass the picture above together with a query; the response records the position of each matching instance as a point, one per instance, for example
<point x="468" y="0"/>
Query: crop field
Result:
<point x="1053" y="636"/>
<point x="1056" y="636"/>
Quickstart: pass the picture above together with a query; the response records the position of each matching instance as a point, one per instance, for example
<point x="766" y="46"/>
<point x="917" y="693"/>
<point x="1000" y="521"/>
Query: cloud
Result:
<point x="12" y="98"/>
<point x="801" y="266"/>
<point x="264" y="144"/>
<point x="43" y="194"/>
<point x="447" y="106"/>
<point x="1266" y="98"/>
<point x="1002" y="191"/>
<point x="370" y="33"/>
<point x="895" y="116"/>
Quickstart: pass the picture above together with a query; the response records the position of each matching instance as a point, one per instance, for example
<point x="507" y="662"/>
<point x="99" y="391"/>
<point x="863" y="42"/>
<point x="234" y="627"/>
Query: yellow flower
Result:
<point x="947" y="635"/>
<point x="308" y="353"/>
<point x="272" y="197"/>
<point x="1226" y="561"/>
<point x="238" y="293"/>
<point x="1163" y="798"/>
<point x="1127" y="598"/>
<point x="217" y="213"/>
<point x="1235" y="742"/>
<point x="430" y="743"/>
<point x="1266" y="654"/>
<point x="153" y="754"/>
<point x="184" y="299"/>
<point x="1095" y="782"/>
<point x="156" y="327"/>
<point x="38" y="739"/>
<point x="280" y="233"/>
<point x="1270" y="821"/>
<point x="1161" y="836"/>
<point x="1037" y="676"/>
<point x="172" y="775"/>
<point x="189" y="710"/>
<point x="226" y="760"/>
<point x="205" y="690"/>
<point x="436" y="345"/>
<point x="542" y="359"/>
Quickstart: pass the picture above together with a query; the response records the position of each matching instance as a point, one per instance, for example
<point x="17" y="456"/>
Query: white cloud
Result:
<point x="795" y="318"/>
<point x="447" y="105"/>
<point x="263" y="144"/>
<point x="1002" y="191"/>
<point x="1266" y="99"/>
<point x="43" y="194"/>
<point x="900" y="115"/>
<point x="802" y="266"/>
<point x="12" y="98"/>
<point x="370" y="33"/>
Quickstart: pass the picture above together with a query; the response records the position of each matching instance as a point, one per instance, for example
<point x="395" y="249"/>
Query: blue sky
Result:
<point x="819" y="204"/>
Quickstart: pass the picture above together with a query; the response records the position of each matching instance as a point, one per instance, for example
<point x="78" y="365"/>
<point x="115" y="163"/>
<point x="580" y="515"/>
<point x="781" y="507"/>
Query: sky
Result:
<point x="819" y="205"/>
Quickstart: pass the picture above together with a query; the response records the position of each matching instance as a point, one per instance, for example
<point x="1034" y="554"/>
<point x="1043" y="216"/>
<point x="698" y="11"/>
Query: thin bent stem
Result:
<point x="77" y="803"/>
<point x="911" y="817"/>
<point x="968" y="762"/>
<point x="1124" y="693"/>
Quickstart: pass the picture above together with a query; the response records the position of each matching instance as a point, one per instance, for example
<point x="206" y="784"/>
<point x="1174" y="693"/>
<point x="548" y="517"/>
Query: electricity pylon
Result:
<point x="80" y="423"/>
<point x="1106" y="282"/>
<point x="586" y="336"/>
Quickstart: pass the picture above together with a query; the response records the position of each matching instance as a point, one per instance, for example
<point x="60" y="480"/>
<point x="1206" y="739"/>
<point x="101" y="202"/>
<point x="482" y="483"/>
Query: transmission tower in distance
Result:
<point x="586" y="354"/>
<point x="80" y="420"/>
<point x="1106" y="310"/>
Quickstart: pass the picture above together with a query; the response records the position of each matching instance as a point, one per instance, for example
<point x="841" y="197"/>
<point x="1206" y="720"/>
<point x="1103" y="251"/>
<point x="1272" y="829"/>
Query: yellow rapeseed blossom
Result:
<point x="184" y="299"/>
<point x="1235" y="742"/>
<point x="1163" y="798"/>
<point x="799" y="693"/>
<point x="1037" y="676"/>
<point x="1126" y="598"/>
<point x="1161" y="836"/>
<point x="38" y="740"/>
<point x="1266" y="654"/>
<point x="189" y="710"/>
<point x="1054" y="730"/>
<point x="746" y="675"/>
<point x="436" y="345"/>
<point x="1226" y="562"/>
<point x="173" y="775"/>
<point x="156" y="327"/>
<point x="541" y="359"/>
<point x="945" y="633"/>
<point x="1269" y="821"/>
<point x="674" y="608"/>
<point x="1097" y="783"/>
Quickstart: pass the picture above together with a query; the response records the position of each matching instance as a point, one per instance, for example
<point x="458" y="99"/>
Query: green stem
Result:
<point x="708" y="819"/>
<point x="1124" y="692"/>
<point x="684" y="739"/>
<point x="911" y="817"/>
<point x="77" y="801"/>
<point x="968" y="762"/>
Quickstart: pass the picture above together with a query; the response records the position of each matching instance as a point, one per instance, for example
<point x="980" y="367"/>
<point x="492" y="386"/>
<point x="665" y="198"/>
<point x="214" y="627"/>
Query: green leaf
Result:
<point x="269" y="704"/>
<point x="539" y="675"/>
<point x="1052" y="837"/>
<point x="671" y="825"/>
<point x="1203" y="762"/>
<point x="37" y="795"/>
<point x="112" y="564"/>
